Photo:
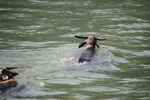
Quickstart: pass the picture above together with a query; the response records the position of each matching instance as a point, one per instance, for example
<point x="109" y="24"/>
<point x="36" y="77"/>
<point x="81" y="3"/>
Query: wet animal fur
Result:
<point x="7" y="79"/>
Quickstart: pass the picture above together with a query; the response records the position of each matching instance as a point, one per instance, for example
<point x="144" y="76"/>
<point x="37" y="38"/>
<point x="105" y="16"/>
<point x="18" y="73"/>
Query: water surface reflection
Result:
<point x="38" y="37"/>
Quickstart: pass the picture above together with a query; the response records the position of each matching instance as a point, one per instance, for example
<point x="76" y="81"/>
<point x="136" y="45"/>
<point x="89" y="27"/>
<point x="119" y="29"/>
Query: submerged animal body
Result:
<point x="8" y="84"/>
<point x="86" y="55"/>
<point x="7" y="79"/>
<point x="89" y="50"/>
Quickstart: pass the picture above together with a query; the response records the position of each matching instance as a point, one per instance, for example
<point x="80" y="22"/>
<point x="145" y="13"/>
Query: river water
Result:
<point x="37" y="36"/>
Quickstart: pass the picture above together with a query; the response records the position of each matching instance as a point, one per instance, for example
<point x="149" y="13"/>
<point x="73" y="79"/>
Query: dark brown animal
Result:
<point x="7" y="78"/>
<point x="90" y="44"/>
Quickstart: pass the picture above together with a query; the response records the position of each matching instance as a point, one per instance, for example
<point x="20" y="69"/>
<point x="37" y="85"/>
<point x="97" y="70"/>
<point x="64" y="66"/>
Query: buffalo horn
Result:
<point x="81" y="37"/>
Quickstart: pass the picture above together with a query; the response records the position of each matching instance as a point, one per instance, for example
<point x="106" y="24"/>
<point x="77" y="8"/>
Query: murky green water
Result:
<point x="38" y="37"/>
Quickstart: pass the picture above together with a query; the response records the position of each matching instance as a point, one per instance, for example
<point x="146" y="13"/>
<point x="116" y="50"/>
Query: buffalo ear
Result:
<point x="14" y="73"/>
<point x="81" y="37"/>
<point x="82" y="44"/>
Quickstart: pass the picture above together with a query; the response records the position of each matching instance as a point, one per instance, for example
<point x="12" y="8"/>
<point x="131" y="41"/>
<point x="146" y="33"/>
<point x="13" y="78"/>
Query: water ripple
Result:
<point x="134" y="25"/>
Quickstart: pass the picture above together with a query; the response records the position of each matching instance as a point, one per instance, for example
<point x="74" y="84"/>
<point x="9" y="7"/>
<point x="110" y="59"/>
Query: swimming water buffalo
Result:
<point x="89" y="50"/>
<point x="7" y="79"/>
